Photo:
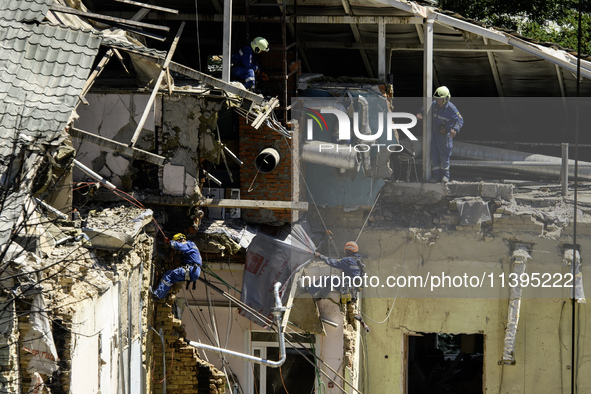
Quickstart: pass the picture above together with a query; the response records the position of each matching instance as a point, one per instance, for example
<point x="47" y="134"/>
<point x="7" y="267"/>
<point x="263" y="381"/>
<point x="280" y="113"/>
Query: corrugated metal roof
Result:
<point x="24" y="10"/>
<point x="42" y="71"/>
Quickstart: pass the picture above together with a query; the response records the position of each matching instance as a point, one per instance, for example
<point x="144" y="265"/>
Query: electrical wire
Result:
<point x="282" y="382"/>
<point x="403" y="269"/>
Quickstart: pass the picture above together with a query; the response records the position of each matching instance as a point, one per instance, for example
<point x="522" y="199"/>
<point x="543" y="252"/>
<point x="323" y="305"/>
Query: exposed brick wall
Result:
<point x="272" y="186"/>
<point x="184" y="368"/>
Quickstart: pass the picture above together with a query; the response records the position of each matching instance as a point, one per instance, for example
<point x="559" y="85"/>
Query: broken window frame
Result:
<point x="258" y="348"/>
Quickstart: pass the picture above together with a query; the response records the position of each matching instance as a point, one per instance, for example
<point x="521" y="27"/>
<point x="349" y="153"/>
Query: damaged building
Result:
<point x="122" y="127"/>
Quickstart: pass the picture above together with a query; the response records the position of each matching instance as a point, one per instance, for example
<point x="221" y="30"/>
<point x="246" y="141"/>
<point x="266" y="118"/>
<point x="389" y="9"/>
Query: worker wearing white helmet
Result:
<point x="244" y="64"/>
<point x="447" y="122"/>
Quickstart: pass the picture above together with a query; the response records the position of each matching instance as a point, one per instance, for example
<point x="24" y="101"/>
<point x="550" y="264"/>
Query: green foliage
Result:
<point x="541" y="20"/>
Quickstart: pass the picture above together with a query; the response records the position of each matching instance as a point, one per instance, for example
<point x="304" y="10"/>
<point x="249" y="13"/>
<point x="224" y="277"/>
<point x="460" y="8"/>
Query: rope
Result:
<point x="314" y="203"/>
<point x="403" y="268"/>
<point x="367" y="218"/>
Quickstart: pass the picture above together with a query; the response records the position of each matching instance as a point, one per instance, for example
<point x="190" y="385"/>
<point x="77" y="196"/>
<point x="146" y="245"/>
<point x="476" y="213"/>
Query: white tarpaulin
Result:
<point x="39" y="340"/>
<point x="270" y="260"/>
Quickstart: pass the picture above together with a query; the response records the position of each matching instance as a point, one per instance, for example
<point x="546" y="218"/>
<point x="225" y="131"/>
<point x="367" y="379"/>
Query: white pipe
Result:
<point x="277" y="312"/>
<point x="94" y="175"/>
<point x="520" y="256"/>
<point x="328" y="154"/>
<point x="52" y="209"/>
<point x="577" y="273"/>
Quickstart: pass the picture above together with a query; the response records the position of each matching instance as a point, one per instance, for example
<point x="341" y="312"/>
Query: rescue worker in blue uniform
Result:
<point x="244" y="64"/>
<point x="352" y="268"/>
<point x="189" y="271"/>
<point x="447" y="122"/>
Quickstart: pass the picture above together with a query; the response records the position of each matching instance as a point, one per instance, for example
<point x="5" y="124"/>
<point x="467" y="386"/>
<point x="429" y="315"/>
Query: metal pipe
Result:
<point x="212" y="178"/>
<point x="568" y="260"/>
<point x="232" y="155"/>
<point x="94" y="175"/>
<point x="277" y="312"/>
<point x="564" y="172"/>
<point x="328" y="154"/>
<point x="52" y="209"/>
<point x="364" y="129"/>
<point x="509" y="164"/>
<point x="520" y="256"/>
<point x="511" y="160"/>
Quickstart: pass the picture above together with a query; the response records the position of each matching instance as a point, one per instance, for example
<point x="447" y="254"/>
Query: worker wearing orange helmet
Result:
<point x="351" y="266"/>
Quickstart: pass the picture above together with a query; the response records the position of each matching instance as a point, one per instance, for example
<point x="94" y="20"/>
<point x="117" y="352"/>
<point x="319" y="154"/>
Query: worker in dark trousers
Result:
<point x="447" y="122"/>
<point x="353" y="273"/>
<point x="189" y="271"/>
<point x="244" y="65"/>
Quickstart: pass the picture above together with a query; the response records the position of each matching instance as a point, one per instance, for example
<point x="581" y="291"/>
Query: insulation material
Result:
<point x="520" y="257"/>
<point x="579" y="290"/>
<point x="270" y="260"/>
<point x="39" y="340"/>
<point x="473" y="212"/>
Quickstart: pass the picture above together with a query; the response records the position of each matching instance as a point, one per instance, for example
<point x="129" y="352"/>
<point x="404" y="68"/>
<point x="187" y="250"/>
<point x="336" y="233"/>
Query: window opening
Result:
<point x="445" y="363"/>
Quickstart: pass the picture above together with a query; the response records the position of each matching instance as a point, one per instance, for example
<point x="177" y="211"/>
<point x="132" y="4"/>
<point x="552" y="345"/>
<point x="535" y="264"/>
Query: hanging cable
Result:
<point x="367" y="218"/>
<point x="403" y="268"/>
<point x="198" y="40"/>
<point x="314" y="202"/>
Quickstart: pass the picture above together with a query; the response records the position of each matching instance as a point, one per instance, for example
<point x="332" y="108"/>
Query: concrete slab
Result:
<point x="494" y="190"/>
<point x="108" y="239"/>
<point x="416" y="193"/>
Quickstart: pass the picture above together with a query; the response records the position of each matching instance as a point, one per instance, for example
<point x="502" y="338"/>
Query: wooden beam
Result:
<point x="405" y="46"/>
<point x="357" y="36"/>
<point x="187" y="201"/>
<point x="255" y="204"/>
<point x="382" y="51"/>
<point x="117" y="146"/>
<point x="150" y="6"/>
<point x="494" y="70"/>
<point x="103" y="62"/>
<point x="142" y="121"/>
<point x="91" y="15"/>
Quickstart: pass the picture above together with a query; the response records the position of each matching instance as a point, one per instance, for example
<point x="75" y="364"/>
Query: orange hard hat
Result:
<point x="352" y="246"/>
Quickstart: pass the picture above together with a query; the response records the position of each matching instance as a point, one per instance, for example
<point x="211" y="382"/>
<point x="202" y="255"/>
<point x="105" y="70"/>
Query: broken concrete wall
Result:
<point x="429" y="239"/>
<point x="113" y="116"/>
<point x="9" y="349"/>
<point x="189" y="135"/>
<point x="97" y="307"/>
<point x="181" y="128"/>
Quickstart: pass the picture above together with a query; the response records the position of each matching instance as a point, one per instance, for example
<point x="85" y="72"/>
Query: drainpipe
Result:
<point x="328" y="154"/>
<point x="364" y="129"/>
<point x="552" y="166"/>
<point x="567" y="259"/>
<point x="520" y="256"/>
<point x="277" y="313"/>
<point x="473" y="155"/>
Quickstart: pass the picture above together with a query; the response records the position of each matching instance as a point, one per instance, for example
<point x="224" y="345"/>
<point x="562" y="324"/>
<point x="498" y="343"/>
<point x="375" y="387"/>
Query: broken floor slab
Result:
<point x="116" y="228"/>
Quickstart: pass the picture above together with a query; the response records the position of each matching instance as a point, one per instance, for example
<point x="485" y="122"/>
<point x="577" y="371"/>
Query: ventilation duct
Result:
<point x="332" y="155"/>
<point x="267" y="160"/>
